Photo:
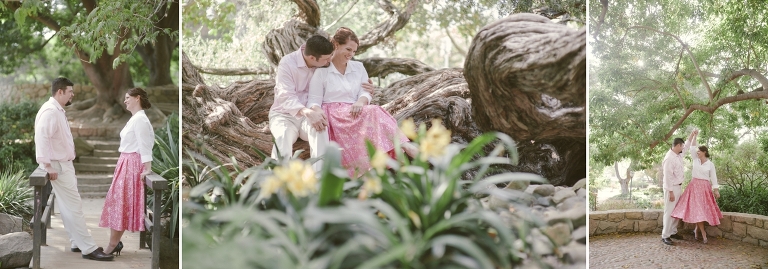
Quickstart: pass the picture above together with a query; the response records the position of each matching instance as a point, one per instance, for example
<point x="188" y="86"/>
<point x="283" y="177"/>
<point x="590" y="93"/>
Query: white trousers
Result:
<point x="286" y="129"/>
<point x="670" y="223"/>
<point x="71" y="207"/>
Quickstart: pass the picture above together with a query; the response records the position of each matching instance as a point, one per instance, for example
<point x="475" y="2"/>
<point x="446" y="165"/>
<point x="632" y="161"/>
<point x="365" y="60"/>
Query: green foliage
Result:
<point x="15" y="193"/>
<point x="750" y="200"/>
<point x="424" y="216"/>
<point x="743" y="177"/>
<point x="17" y="134"/>
<point x="165" y="163"/>
<point x="643" y="81"/>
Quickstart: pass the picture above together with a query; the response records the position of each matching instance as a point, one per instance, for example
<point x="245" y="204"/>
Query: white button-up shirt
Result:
<point x="328" y="85"/>
<point x="53" y="138"/>
<point x="673" y="168"/>
<point x="291" y="84"/>
<point x="138" y="136"/>
<point x="704" y="170"/>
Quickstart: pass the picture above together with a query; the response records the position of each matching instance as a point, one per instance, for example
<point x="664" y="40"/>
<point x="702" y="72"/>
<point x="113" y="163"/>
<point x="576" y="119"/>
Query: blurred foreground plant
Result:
<point x="403" y="213"/>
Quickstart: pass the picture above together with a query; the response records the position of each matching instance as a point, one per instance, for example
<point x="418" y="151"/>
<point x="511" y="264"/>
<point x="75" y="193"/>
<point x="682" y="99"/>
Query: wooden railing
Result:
<point x="42" y="217"/>
<point x="152" y="217"/>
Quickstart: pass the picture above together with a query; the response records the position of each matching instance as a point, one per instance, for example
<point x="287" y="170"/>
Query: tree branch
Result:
<point x="381" y="67"/>
<point x="601" y="18"/>
<point x="233" y="71"/>
<point x="340" y="17"/>
<point x="455" y="44"/>
<point x="690" y="54"/>
<point x="752" y="73"/>
<point x="89" y="5"/>
<point x="309" y="12"/>
<point x="386" y="29"/>
<point x="757" y="95"/>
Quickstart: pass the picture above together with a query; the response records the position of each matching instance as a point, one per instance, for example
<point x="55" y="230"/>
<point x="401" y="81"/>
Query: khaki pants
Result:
<point x="670" y="223"/>
<point x="286" y="129"/>
<point x="71" y="207"/>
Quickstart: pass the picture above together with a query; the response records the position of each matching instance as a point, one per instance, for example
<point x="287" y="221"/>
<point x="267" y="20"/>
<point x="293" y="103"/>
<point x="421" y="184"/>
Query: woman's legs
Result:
<point x="114" y="238"/>
<point x="700" y="226"/>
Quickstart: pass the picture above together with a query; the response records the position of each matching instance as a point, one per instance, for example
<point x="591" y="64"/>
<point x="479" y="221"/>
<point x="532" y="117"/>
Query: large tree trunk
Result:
<point x="157" y="56"/>
<point x="624" y="182"/>
<point x="543" y="93"/>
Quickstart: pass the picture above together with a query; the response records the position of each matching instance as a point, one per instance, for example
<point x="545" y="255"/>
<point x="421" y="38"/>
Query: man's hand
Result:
<point x="357" y="107"/>
<point x="52" y="174"/>
<point x="368" y="87"/>
<point x="671" y="196"/>
<point x="316" y="119"/>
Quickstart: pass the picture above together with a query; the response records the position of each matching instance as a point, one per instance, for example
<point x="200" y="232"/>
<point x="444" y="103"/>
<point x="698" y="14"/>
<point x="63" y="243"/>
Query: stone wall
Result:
<point x="41" y="92"/>
<point x="734" y="226"/>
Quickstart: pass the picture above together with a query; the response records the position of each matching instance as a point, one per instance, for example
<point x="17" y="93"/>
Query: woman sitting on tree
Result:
<point x="351" y="118"/>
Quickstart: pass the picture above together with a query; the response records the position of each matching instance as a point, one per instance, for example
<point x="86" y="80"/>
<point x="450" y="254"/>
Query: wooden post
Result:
<point x="37" y="179"/>
<point x="157" y="184"/>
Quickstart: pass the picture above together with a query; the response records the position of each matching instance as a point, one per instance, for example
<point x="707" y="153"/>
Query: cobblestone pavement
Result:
<point x="645" y="250"/>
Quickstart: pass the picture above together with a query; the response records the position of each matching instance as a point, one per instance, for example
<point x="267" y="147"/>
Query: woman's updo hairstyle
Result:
<point x="343" y="35"/>
<point x="139" y="92"/>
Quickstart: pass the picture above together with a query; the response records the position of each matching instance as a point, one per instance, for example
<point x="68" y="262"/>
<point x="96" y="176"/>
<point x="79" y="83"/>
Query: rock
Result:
<point x="530" y="189"/>
<point x="544" y="190"/>
<point x="82" y="148"/>
<point x="10" y="224"/>
<point x="580" y="184"/>
<point x="169" y="253"/>
<point x="15" y="250"/>
<point x="580" y="235"/>
<point x="562" y="195"/>
<point x="540" y="244"/>
<point x="519" y="185"/>
<point x="560" y="233"/>
<point x="582" y="193"/>
<point x="544" y="201"/>
<point x="570" y="202"/>
<point x="575" y="253"/>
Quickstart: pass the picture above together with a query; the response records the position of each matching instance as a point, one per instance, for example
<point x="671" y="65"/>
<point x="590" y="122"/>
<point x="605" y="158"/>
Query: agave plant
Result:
<point x="166" y="164"/>
<point x="402" y="214"/>
<point x="15" y="193"/>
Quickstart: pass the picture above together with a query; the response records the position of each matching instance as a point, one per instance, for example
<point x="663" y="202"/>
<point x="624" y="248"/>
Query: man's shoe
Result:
<point x="75" y="249"/>
<point x="667" y="241"/>
<point x="99" y="255"/>
<point x="676" y="236"/>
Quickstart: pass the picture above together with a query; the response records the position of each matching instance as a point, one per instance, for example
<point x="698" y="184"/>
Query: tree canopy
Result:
<point x="659" y="69"/>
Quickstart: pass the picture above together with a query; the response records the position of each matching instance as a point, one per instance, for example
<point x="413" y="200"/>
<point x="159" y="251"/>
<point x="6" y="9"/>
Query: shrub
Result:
<point x="416" y="214"/>
<point x="165" y="155"/>
<point x="15" y="193"/>
<point x="17" y="123"/>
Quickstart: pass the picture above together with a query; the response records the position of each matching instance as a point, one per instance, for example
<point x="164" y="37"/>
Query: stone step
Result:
<point x="89" y="167"/>
<point x="94" y="188"/>
<point x="109" y="144"/>
<point x="98" y="160"/>
<point x="105" y="153"/>
<point x="93" y="194"/>
<point x="87" y="179"/>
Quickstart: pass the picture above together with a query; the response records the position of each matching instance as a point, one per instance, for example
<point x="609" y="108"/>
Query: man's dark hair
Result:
<point x="318" y="46"/>
<point x="60" y="83"/>
<point x="678" y="141"/>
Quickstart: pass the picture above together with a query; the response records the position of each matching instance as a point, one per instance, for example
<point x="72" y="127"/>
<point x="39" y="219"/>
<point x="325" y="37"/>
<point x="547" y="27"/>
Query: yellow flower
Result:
<point x="409" y="128"/>
<point x="379" y="161"/>
<point x="298" y="177"/>
<point x="373" y="185"/>
<point x="270" y="186"/>
<point x="435" y="141"/>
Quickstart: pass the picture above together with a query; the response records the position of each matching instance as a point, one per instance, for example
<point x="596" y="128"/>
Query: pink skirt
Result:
<point x="373" y="124"/>
<point x="697" y="204"/>
<point x="124" y="205"/>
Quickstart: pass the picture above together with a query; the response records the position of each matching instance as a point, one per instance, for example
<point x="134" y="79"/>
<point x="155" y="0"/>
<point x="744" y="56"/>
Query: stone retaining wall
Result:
<point x="734" y="226"/>
<point x="41" y="92"/>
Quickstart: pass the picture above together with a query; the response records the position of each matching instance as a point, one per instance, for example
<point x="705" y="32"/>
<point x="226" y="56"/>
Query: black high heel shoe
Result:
<point x="117" y="249"/>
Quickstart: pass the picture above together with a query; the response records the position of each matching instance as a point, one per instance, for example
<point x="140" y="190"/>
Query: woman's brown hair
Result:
<point x="342" y="35"/>
<point x="143" y="99"/>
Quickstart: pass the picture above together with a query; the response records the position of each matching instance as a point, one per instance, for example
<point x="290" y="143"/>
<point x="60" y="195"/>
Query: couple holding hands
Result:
<point x="697" y="203"/>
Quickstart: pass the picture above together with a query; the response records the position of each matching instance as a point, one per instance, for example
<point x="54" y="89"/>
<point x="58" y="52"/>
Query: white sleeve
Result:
<point x="317" y="87"/>
<point x="364" y="79"/>
<point x="145" y="137"/>
<point x="713" y="176"/>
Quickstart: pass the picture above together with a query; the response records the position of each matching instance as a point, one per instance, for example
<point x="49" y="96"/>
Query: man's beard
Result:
<point x="68" y="103"/>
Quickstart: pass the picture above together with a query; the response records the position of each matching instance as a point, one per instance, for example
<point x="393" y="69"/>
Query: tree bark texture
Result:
<point x="157" y="55"/>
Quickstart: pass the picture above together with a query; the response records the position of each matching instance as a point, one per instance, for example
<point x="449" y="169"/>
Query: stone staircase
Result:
<point x="94" y="172"/>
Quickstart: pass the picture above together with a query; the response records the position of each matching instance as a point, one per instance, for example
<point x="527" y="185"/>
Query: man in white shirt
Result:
<point x="289" y="116"/>
<point x="55" y="150"/>
<point x="673" y="168"/>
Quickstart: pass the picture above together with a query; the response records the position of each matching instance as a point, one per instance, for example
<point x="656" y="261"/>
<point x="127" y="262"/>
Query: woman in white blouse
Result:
<point x="124" y="204"/>
<point x="337" y="92"/>
<point x="698" y="202"/>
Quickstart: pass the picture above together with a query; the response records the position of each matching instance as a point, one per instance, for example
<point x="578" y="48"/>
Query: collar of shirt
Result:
<point x="300" y="62"/>
<point x="57" y="105"/>
<point x="350" y="69"/>
<point x="140" y="112"/>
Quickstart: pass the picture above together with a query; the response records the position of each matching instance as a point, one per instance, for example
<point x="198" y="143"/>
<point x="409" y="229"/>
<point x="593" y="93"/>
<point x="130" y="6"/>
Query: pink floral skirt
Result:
<point x="697" y="204"/>
<point x="373" y="124"/>
<point x="124" y="205"/>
